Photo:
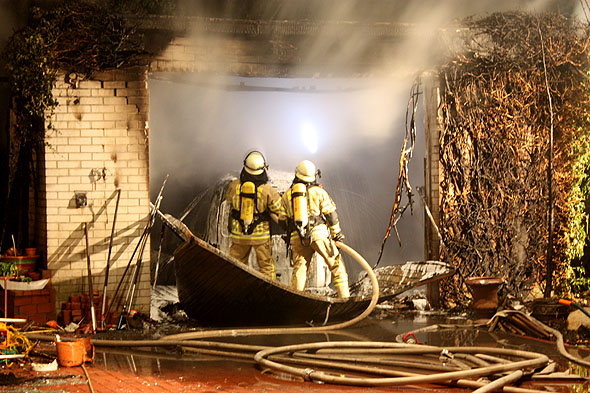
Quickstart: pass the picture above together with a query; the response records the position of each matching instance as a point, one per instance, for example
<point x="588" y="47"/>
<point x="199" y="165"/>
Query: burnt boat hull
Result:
<point x="217" y="290"/>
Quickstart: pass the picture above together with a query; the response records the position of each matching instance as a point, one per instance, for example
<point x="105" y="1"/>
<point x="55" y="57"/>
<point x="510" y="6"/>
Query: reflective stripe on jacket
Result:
<point x="267" y="199"/>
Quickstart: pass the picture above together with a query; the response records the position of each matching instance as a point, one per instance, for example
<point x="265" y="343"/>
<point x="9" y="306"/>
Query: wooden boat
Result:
<point x="217" y="290"/>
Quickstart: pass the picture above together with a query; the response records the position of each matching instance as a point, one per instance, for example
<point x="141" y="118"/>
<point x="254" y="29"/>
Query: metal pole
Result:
<point x="141" y="241"/>
<point x="91" y="294"/>
<point x="135" y="279"/>
<point x="133" y="282"/>
<point x="145" y="233"/>
<point x="106" y="274"/>
<point x="126" y="269"/>
<point x="163" y="231"/>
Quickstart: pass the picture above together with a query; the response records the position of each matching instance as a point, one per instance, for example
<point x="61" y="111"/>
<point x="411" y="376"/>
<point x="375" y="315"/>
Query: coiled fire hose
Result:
<point x="398" y="378"/>
<point x="269" y="357"/>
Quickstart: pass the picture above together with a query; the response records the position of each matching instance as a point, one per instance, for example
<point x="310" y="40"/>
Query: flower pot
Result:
<point x="31" y="251"/>
<point x="74" y="353"/>
<point x="485" y="294"/>
<point x="23" y="263"/>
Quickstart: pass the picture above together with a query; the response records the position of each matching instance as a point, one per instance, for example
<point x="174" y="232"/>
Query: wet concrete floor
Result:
<point x="158" y="370"/>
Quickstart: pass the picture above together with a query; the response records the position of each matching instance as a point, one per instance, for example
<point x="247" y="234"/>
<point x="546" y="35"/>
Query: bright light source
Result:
<point x="309" y="137"/>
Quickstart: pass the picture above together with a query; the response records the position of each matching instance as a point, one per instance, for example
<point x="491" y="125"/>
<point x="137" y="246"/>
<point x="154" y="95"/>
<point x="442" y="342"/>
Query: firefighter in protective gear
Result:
<point x="254" y="203"/>
<point x="313" y="223"/>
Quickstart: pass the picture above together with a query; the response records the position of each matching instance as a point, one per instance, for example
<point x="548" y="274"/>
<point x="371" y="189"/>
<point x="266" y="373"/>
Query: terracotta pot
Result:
<point x="31" y="251"/>
<point x="23" y="263"/>
<point x="485" y="294"/>
<point x="71" y="354"/>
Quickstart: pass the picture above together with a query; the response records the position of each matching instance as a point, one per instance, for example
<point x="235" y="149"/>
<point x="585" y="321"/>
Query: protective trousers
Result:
<point x="266" y="265"/>
<point x="327" y="249"/>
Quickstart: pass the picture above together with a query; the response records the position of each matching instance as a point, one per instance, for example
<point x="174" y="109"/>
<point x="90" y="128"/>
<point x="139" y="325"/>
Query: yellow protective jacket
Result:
<point x="321" y="211"/>
<point x="267" y="200"/>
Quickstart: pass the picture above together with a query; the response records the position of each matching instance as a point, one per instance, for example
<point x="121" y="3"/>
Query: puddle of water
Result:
<point x="215" y="372"/>
<point x="387" y="329"/>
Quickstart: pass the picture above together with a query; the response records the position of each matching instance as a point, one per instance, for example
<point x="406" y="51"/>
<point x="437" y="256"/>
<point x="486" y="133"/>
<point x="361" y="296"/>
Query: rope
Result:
<point x="87" y="378"/>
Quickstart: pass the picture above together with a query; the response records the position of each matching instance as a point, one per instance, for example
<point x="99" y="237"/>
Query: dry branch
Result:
<point x="494" y="145"/>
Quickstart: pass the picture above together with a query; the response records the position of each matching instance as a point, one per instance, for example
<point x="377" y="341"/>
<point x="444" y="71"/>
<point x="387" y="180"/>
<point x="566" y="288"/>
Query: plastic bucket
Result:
<point x="74" y="353"/>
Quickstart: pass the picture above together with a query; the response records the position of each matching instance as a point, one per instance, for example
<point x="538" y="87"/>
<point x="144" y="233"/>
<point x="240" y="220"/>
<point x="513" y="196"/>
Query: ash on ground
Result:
<point x="414" y="300"/>
<point x="164" y="305"/>
<point x="395" y="279"/>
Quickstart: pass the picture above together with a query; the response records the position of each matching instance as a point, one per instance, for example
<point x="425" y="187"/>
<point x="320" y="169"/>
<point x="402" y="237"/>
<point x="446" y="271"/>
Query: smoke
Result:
<point x="352" y="127"/>
<point x="201" y="130"/>
<point x="366" y="10"/>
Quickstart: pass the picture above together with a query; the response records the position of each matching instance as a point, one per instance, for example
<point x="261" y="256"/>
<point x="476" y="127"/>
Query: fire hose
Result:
<point x="271" y="358"/>
<point x="182" y="337"/>
<point x="567" y="302"/>
<point x="298" y="330"/>
<point x="397" y="378"/>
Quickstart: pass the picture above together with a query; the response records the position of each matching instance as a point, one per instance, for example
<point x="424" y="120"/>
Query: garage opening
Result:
<point x="201" y="128"/>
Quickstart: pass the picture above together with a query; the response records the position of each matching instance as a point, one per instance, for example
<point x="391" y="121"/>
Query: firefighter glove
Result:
<point x="338" y="237"/>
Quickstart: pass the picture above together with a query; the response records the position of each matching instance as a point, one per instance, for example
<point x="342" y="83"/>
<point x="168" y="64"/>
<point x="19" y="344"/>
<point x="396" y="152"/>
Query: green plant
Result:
<point x="31" y="66"/>
<point x="576" y="277"/>
<point x="8" y="269"/>
<point x="72" y="37"/>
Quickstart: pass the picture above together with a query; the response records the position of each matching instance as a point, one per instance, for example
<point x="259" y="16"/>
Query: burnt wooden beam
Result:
<point x="260" y="28"/>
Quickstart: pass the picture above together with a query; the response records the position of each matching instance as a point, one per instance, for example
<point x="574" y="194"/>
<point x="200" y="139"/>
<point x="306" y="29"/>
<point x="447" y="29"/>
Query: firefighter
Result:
<point x="254" y="203"/>
<point x="311" y="219"/>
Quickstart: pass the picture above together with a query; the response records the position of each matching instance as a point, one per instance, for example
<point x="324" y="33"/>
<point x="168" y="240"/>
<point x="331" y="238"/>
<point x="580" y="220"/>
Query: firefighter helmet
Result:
<point x="254" y="163"/>
<point x="306" y="171"/>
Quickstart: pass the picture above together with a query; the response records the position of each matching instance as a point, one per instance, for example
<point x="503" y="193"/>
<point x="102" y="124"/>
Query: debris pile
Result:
<point x="516" y="322"/>
<point x="396" y="279"/>
<point x="14" y="345"/>
<point x="78" y="309"/>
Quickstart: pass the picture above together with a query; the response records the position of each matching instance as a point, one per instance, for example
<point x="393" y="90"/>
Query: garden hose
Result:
<point x="577" y="305"/>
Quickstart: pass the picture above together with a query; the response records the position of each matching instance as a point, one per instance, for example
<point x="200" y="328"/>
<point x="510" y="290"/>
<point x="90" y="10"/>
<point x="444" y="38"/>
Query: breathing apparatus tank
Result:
<point x="247" y="198"/>
<point x="299" y="197"/>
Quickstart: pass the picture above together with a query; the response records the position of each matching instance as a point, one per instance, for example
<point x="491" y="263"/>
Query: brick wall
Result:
<point x="99" y="144"/>
<point x="37" y="305"/>
<point x="220" y="55"/>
